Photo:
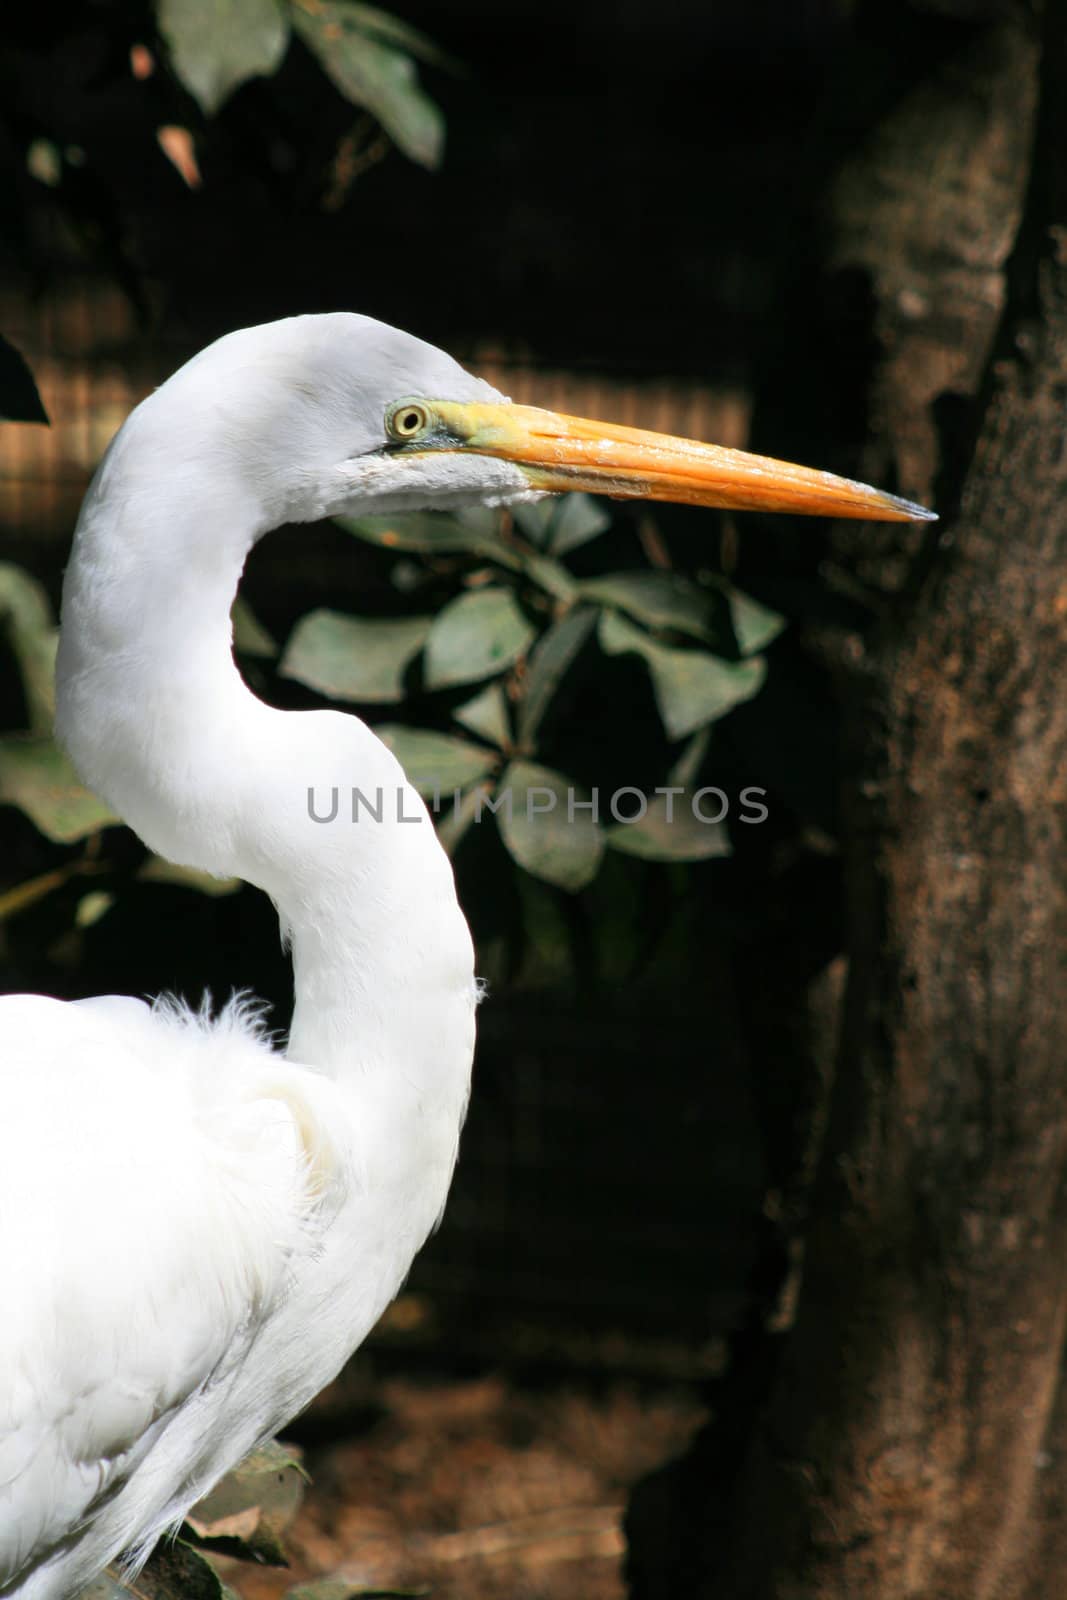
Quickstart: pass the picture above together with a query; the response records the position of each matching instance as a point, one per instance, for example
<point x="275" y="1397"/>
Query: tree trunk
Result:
<point x="908" y="1446"/>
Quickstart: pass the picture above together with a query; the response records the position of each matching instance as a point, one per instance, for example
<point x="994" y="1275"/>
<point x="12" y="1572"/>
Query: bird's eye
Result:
<point x="406" y="420"/>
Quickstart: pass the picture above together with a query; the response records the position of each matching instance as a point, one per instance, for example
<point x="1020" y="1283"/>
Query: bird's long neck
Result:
<point x="160" y="723"/>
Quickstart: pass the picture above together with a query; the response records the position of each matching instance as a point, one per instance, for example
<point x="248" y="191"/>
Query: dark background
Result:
<point x="625" y="184"/>
<point x="629" y="191"/>
<point x="626" y="190"/>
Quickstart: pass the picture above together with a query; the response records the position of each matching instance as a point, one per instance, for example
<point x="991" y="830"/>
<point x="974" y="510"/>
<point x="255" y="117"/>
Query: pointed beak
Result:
<point x="558" y="452"/>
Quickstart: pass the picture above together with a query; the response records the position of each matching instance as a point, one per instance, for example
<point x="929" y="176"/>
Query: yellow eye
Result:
<point x="406" y="420"/>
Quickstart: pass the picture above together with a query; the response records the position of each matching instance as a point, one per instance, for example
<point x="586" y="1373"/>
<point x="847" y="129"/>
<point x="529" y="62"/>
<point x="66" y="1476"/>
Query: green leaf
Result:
<point x="373" y="73"/>
<point x="473" y="531"/>
<point x="27" y="622"/>
<point x="546" y="828"/>
<point x="672" y="830"/>
<point x="216" y="45"/>
<point x="685" y="769"/>
<point x="19" y="399"/>
<point x="487" y="715"/>
<point x="691" y="686"/>
<point x="483" y="520"/>
<point x="535" y="518"/>
<point x="562" y="522"/>
<point x="663" y="600"/>
<point x="354" y="658"/>
<point x="579" y="519"/>
<point x="436" y="762"/>
<point x="37" y="777"/>
<point x="549" y="661"/>
<point x="156" y="869"/>
<point x="92" y="906"/>
<point x="394" y="31"/>
<point x="247" y="1512"/>
<point x="452" y="827"/>
<point x="250" y="637"/>
<point x="174" y="1571"/>
<point x="755" y="625"/>
<point x="429" y="532"/>
<point x="542" y="570"/>
<point x="477" y="635"/>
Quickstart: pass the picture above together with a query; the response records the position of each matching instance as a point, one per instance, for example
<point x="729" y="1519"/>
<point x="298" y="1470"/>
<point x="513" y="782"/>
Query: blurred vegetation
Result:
<point x="304" y="95"/>
<point x="563" y="648"/>
<point x="505" y="627"/>
<point x="529" y="662"/>
<point x="503" y="613"/>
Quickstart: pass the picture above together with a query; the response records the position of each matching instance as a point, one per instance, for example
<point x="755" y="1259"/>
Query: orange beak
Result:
<point x="558" y="452"/>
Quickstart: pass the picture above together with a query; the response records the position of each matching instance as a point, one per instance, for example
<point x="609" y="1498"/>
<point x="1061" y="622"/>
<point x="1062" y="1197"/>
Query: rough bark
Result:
<point x="910" y="1443"/>
<point x="902" y="1449"/>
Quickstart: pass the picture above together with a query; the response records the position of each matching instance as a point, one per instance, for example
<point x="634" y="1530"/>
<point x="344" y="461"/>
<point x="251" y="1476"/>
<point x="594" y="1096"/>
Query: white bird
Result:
<point x="197" y="1230"/>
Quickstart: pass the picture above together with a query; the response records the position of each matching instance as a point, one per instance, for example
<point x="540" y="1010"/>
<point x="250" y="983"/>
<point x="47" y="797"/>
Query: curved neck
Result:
<point x="159" y="722"/>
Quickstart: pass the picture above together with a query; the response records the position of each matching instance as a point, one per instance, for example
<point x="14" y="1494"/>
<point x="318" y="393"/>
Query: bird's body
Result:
<point x="225" y="1259"/>
<point x="197" y="1229"/>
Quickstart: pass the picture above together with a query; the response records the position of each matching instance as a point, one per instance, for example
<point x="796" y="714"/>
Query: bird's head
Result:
<point x="322" y="415"/>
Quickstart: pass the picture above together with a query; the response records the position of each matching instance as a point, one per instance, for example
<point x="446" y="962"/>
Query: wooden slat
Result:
<point x="92" y="368"/>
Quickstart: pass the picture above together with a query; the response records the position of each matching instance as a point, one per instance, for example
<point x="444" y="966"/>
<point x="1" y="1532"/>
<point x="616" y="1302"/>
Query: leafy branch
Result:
<point x="514" y="630"/>
<point x="215" y="46"/>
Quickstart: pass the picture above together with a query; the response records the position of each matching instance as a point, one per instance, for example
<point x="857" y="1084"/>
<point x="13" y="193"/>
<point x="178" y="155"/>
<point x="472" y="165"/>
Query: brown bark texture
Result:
<point x="911" y="1441"/>
<point x="909" y="1445"/>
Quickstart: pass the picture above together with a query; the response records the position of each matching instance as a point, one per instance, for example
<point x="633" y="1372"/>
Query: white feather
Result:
<point x="196" y="1230"/>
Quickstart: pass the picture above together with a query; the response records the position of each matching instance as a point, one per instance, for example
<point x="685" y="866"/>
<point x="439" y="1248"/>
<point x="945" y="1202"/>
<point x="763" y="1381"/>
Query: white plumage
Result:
<point x="195" y="1229"/>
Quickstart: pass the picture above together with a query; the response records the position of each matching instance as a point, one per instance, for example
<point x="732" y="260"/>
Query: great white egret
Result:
<point x="196" y="1230"/>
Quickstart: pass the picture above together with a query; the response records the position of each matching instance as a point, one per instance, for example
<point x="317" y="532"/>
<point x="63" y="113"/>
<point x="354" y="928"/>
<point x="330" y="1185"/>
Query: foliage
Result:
<point x="515" y="624"/>
<point x="36" y="776"/>
<point x="512" y="613"/>
<point x="368" y="56"/>
<point x="247" y="1513"/>
<point x="214" y="46"/>
<point x="176" y="69"/>
<point x="245" y="1516"/>
<point x="174" y="1572"/>
<point x="514" y="627"/>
